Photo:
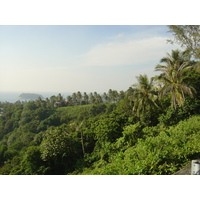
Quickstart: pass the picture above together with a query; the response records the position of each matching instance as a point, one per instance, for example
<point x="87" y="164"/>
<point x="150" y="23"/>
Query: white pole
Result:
<point x="195" y="167"/>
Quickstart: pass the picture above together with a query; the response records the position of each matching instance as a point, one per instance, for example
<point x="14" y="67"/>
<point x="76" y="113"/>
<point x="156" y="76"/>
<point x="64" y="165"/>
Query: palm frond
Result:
<point x="173" y="76"/>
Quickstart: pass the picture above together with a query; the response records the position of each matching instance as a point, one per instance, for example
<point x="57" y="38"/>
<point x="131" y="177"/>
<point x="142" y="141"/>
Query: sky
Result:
<point x="71" y="58"/>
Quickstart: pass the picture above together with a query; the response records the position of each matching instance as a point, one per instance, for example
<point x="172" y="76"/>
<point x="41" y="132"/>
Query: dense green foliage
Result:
<point x="162" y="153"/>
<point x="152" y="128"/>
<point x="174" y="76"/>
<point x="106" y="138"/>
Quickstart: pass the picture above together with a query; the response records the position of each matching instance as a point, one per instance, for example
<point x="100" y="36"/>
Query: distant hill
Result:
<point x="30" y="96"/>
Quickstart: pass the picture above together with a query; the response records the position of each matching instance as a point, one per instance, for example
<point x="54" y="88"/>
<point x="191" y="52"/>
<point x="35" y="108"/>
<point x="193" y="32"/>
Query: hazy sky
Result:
<point x="78" y="58"/>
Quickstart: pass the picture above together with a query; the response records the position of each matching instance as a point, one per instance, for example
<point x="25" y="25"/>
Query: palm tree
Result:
<point x="79" y="97"/>
<point x="105" y="97"/>
<point x="174" y="76"/>
<point x="74" y="97"/>
<point x="144" y="95"/>
<point x="85" y="97"/>
<point x="115" y="95"/>
<point x="48" y="103"/>
<point x="121" y="94"/>
<point x="110" y="95"/>
<point x="129" y="94"/>
<point x="92" y="98"/>
<point x="53" y="100"/>
<point x="77" y="127"/>
<point x="98" y="99"/>
<point x="69" y="99"/>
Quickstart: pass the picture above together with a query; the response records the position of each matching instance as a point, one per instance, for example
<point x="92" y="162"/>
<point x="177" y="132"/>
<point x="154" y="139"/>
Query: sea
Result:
<point x="12" y="97"/>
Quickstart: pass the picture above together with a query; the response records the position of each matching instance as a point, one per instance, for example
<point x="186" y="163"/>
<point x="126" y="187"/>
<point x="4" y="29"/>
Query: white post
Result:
<point x="195" y="167"/>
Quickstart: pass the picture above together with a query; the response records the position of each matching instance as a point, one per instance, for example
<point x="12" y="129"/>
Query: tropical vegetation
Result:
<point x="152" y="128"/>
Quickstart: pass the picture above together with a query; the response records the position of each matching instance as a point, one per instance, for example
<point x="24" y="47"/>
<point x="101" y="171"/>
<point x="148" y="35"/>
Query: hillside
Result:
<point x="105" y="138"/>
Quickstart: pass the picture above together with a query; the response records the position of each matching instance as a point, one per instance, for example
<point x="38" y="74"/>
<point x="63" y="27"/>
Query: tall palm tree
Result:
<point x="85" y="97"/>
<point x="129" y="94"/>
<point x="115" y="95"/>
<point x="53" y="100"/>
<point x="92" y="98"/>
<point x="98" y="99"/>
<point x="79" y="97"/>
<point x="74" y="98"/>
<point x="121" y="94"/>
<point x="105" y="97"/>
<point x="69" y="99"/>
<point x="78" y="127"/>
<point x="144" y="95"/>
<point x="59" y="98"/>
<point x="110" y="95"/>
<point x="174" y="76"/>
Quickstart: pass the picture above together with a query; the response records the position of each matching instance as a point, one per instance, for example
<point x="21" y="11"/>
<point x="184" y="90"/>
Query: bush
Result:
<point x="164" y="154"/>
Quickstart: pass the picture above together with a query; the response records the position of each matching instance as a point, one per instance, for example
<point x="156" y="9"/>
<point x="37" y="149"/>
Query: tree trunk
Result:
<point x="83" y="149"/>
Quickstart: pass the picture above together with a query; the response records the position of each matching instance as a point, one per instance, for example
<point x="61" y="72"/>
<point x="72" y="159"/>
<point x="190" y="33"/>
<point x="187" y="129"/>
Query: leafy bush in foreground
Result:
<point x="163" y="154"/>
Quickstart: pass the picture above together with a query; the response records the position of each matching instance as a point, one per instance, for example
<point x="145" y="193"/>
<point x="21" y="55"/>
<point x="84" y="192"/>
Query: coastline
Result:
<point x="12" y="97"/>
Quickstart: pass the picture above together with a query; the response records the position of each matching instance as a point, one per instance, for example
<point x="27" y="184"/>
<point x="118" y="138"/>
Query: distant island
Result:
<point x="30" y="96"/>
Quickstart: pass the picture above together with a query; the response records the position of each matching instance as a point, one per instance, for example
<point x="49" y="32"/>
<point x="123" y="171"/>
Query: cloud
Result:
<point x="107" y="65"/>
<point x="131" y="52"/>
<point x="116" y="37"/>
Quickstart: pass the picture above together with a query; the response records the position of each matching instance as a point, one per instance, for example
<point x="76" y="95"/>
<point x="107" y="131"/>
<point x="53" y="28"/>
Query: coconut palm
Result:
<point x="144" y="95"/>
<point x="85" y="97"/>
<point x="79" y="97"/>
<point x="121" y="95"/>
<point x="105" y="97"/>
<point x="92" y="98"/>
<point x="174" y="76"/>
<point x="129" y="95"/>
<point x="98" y="99"/>
<point x="69" y="99"/>
<point x="74" y="98"/>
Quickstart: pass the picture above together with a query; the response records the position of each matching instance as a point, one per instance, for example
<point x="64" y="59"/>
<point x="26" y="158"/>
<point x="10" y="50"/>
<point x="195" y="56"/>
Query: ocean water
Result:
<point x="9" y="96"/>
<point x="12" y="97"/>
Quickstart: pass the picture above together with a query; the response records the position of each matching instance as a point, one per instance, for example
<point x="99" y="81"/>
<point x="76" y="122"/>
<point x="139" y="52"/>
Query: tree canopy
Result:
<point x="174" y="75"/>
<point x="188" y="36"/>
